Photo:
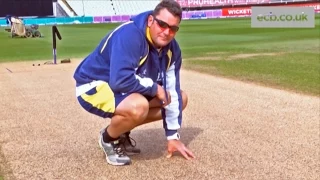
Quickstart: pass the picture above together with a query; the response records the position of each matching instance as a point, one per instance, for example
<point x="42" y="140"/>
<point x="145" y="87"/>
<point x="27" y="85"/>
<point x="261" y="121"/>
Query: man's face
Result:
<point x="163" y="27"/>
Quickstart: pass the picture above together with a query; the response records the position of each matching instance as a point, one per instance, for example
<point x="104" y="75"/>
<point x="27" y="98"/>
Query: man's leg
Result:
<point x="135" y="110"/>
<point x="131" y="112"/>
<point x="154" y="114"/>
<point x="112" y="139"/>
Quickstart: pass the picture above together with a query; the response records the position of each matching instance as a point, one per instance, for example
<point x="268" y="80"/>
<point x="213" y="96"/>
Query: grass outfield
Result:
<point x="282" y="58"/>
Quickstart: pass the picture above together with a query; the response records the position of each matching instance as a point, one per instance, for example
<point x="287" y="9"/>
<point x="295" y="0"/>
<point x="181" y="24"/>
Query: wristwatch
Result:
<point x="175" y="136"/>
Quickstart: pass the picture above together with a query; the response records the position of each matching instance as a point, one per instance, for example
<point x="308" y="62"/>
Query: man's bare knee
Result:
<point x="135" y="108"/>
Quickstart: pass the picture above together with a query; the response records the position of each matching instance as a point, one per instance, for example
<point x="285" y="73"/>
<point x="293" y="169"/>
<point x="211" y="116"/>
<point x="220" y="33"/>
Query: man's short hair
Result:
<point x="171" y="5"/>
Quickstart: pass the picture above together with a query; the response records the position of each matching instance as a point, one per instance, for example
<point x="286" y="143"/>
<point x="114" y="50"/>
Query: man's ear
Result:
<point x="150" y="20"/>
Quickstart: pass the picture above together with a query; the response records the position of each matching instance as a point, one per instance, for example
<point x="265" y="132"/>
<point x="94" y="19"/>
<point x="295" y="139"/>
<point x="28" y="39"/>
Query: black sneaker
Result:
<point x="129" y="144"/>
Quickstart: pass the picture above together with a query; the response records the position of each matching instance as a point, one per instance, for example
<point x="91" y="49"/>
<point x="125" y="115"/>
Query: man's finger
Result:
<point x="189" y="153"/>
<point x="170" y="152"/>
<point x="163" y="102"/>
<point x="184" y="154"/>
<point x="169" y="97"/>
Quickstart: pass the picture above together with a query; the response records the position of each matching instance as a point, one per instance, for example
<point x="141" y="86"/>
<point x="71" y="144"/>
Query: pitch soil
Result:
<point x="236" y="131"/>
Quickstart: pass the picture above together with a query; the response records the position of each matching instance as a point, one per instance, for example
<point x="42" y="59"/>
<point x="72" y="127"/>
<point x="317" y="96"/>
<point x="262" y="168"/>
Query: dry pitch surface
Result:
<point x="236" y="130"/>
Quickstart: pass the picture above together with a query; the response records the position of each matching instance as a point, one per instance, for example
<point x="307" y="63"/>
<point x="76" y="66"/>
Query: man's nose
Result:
<point x="167" y="31"/>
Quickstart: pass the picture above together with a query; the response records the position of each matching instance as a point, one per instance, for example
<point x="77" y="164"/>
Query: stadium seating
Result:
<point x="133" y="7"/>
<point x="92" y="7"/>
<point x="106" y="7"/>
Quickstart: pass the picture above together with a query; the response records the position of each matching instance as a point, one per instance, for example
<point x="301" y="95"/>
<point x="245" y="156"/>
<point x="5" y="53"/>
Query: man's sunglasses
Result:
<point x="165" y="25"/>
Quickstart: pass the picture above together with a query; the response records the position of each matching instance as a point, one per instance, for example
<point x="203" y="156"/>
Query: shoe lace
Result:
<point x="126" y="138"/>
<point x="118" y="149"/>
<point x="130" y="140"/>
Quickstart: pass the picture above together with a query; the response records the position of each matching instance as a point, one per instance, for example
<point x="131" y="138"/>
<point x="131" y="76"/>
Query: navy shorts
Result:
<point x="98" y="98"/>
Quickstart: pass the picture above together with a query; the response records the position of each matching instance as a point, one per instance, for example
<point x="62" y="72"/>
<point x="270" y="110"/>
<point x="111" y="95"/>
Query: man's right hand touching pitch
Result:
<point x="177" y="145"/>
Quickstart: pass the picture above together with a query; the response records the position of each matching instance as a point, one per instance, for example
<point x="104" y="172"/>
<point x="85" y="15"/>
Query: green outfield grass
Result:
<point x="282" y="58"/>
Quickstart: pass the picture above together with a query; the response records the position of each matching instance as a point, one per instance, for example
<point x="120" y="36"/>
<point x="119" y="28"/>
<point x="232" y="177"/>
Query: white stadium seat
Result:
<point x="133" y="7"/>
<point x="91" y="7"/>
<point x="110" y="7"/>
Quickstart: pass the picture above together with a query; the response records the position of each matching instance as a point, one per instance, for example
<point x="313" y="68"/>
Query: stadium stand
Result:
<point x="109" y="11"/>
<point x="91" y="7"/>
<point x="105" y="7"/>
<point x="133" y="7"/>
